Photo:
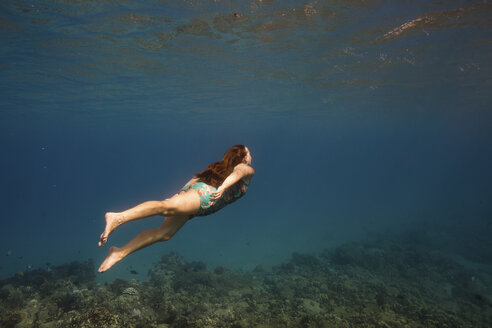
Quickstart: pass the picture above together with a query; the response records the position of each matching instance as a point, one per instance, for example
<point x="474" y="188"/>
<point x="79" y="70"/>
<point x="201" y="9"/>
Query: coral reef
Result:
<point x="384" y="283"/>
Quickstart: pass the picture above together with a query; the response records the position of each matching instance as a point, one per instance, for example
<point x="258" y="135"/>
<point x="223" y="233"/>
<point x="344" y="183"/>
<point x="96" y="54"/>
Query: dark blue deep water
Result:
<point x="365" y="119"/>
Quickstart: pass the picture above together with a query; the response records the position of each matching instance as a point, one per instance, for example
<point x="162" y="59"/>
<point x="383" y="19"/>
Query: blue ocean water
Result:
<point x="363" y="118"/>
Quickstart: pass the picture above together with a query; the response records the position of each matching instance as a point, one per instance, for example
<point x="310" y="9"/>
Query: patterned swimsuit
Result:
<point x="207" y="206"/>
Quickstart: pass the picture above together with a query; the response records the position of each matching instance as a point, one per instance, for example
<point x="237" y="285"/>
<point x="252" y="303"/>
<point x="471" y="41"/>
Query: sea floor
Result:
<point x="397" y="281"/>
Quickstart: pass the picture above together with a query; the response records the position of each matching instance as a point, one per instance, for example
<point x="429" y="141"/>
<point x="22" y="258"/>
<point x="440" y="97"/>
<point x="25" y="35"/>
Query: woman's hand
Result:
<point x="217" y="194"/>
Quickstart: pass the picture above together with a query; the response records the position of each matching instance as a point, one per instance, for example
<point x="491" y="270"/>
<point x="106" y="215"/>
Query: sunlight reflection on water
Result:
<point x="105" y="50"/>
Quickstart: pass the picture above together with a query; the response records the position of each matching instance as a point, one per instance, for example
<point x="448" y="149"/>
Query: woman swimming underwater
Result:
<point x="220" y="184"/>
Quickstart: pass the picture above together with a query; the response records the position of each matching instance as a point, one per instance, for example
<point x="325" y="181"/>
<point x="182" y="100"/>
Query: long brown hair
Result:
<point x="217" y="172"/>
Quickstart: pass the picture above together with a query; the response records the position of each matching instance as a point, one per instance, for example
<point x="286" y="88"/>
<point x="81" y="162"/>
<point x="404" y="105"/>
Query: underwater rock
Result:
<point x="166" y="313"/>
<point x="10" y="319"/>
<point x="356" y="285"/>
<point x="219" y="270"/>
<point x="136" y="313"/>
<point x="195" y="266"/>
<point x="310" y="307"/>
<point x="305" y="260"/>
<point x="126" y="303"/>
<point x="29" y="314"/>
<point x="165" y="269"/>
<point x="355" y="255"/>
<point x="47" y="288"/>
<point x="77" y="272"/>
<point x="259" y="269"/>
<point x="380" y="298"/>
<point x="118" y="286"/>
<point x="12" y="297"/>
<point x="130" y="291"/>
<point x="191" y="281"/>
<point x="93" y="317"/>
<point x="67" y="301"/>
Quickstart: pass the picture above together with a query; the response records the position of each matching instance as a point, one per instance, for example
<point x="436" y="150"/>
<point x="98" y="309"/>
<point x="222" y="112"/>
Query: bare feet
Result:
<point x="113" y="220"/>
<point x="114" y="256"/>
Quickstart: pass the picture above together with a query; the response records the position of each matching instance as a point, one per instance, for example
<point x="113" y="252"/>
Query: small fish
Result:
<point x="1" y="267"/>
<point x="29" y="267"/>
<point x="48" y="264"/>
<point x="133" y="272"/>
<point x="20" y="257"/>
<point x="20" y="273"/>
<point x="9" y="252"/>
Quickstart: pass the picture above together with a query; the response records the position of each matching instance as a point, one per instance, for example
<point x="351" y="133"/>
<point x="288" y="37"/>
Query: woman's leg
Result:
<point x="148" y="237"/>
<point x="186" y="202"/>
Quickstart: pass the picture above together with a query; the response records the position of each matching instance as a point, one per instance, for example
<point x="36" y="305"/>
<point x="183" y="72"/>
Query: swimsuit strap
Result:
<point x="238" y="166"/>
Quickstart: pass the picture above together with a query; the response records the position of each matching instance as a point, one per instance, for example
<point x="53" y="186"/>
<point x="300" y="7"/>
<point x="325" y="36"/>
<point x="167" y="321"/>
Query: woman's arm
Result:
<point x="241" y="172"/>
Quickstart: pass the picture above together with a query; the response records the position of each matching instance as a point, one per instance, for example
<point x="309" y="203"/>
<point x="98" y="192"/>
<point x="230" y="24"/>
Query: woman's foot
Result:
<point x="113" y="220"/>
<point x="114" y="256"/>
